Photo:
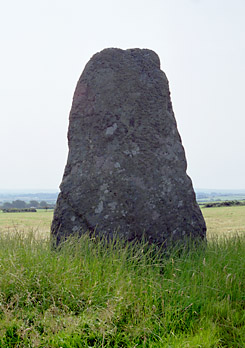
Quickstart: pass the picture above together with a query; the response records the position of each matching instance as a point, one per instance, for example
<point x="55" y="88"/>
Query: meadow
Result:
<point x="91" y="293"/>
<point x="39" y="223"/>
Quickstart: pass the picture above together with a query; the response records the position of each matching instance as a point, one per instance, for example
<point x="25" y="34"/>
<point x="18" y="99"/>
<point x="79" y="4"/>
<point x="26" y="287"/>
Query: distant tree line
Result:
<point x="16" y="210"/>
<point x="224" y="204"/>
<point x="19" y="204"/>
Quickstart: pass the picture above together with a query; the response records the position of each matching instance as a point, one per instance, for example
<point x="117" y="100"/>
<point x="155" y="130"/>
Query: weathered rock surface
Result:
<point x="126" y="168"/>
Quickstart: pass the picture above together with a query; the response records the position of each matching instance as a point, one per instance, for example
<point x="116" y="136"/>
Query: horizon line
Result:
<point x="56" y="190"/>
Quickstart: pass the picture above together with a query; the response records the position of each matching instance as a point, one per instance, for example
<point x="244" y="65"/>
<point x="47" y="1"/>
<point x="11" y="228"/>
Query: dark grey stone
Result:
<point x="126" y="168"/>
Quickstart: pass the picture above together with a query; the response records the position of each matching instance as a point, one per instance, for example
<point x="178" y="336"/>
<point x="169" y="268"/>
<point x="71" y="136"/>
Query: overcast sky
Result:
<point x="45" y="45"/>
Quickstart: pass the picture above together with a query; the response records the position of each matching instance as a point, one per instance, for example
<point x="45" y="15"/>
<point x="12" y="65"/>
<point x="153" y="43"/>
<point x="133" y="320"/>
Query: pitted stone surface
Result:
<point x="126" y="168"/>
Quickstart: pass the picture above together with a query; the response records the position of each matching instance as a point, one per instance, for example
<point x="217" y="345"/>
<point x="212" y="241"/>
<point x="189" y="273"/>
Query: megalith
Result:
<point x="126" y="167"/>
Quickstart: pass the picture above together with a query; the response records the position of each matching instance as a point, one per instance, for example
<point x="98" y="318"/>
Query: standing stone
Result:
<point x="126" y="168"/>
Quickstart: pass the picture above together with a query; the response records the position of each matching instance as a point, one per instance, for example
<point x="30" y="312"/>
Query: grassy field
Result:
<point x="91" y="294"/>
<point x="223" y="221"/>
<point x="38" y="222"/>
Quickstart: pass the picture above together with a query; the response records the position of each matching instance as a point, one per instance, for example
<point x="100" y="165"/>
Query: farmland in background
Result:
<point x="220" y="221"/>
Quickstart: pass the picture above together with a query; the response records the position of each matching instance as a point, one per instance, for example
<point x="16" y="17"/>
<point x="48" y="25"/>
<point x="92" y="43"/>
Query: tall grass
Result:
<point x="93" y="293"/>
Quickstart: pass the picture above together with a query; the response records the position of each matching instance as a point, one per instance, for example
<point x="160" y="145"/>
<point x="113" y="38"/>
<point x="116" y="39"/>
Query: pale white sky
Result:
<point x="45" y="45"/>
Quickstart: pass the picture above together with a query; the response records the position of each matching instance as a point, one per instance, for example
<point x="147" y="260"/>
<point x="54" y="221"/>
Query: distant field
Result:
<point x="220" y="221"/>
<point x="37" y="222"/>
<point x="226" y="221"/>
